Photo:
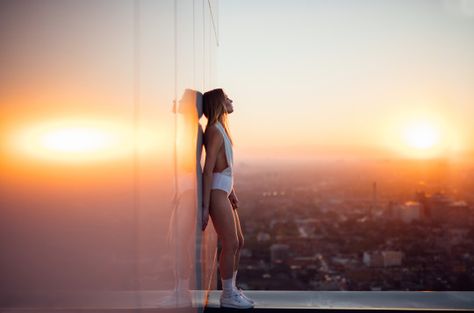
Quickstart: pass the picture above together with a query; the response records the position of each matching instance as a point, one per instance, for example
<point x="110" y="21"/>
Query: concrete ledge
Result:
<point x="359" y="300"/>
<point x="195" y="301"/>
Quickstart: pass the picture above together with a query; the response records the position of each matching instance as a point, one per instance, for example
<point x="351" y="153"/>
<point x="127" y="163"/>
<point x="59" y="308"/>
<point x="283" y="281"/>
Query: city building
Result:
<point x="279" y="253"/>
<point x="385" y="258"/>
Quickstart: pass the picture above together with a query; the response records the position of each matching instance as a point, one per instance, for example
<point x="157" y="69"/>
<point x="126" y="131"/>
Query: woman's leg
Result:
<point x="240" y="236"/>
<point x="220" y="211"/>
<point x="237" y="255"/>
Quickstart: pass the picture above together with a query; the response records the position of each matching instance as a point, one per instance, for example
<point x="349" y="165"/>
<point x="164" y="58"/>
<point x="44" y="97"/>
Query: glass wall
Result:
<point x="100" y="152"/>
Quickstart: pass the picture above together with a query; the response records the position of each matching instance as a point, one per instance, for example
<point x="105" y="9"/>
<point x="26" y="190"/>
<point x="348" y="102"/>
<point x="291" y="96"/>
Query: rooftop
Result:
<point x="153" y="301"/>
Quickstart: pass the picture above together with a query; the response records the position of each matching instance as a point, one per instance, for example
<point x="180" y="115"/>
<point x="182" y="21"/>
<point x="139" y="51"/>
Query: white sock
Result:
<point x="234" y="280"/>
<point x="227" y="286"/>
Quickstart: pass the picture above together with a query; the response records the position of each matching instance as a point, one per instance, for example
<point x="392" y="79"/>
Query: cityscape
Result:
<point x="338" y="225"/>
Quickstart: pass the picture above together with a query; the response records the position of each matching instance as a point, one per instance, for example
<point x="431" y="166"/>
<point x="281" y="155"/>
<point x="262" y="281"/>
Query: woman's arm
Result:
<point x="213" y="144"/>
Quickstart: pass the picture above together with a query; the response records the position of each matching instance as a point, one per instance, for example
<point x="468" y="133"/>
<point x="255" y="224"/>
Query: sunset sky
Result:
<point x="365" y="77"/>
<point x="308" y="78"/>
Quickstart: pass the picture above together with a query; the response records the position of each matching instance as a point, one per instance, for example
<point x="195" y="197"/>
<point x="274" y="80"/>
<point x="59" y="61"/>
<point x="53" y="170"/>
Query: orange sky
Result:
<point x="316" y="79"/>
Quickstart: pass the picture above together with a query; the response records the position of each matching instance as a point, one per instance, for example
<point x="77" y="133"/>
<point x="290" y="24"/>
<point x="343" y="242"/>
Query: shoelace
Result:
<point x="240" y="290"/>
<point x="234" y="295"/>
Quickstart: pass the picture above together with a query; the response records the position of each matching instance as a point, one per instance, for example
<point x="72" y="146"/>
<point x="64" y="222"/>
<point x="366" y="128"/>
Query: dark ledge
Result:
<point x="269" y="301"/>
<point x="333" y="301"/>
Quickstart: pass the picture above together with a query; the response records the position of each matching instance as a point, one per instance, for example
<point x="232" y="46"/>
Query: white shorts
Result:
<point x="222" y="182"/>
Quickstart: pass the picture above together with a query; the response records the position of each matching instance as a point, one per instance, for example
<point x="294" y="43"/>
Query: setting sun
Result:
<point x="77" y="140"/>
<point x="421" y="135"/>
<point x="74" y="140"/>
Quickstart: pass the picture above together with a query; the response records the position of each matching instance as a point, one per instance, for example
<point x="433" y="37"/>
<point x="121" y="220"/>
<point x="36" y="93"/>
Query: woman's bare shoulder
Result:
<point x="211" y="130"/>
<point x="212" y="133"/>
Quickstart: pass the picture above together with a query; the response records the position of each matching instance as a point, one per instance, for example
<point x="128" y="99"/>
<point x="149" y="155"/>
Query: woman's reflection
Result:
<point x="182" y="224"/>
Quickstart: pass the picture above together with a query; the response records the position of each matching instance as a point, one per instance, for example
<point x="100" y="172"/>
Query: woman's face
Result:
<point x="228" y="104"/>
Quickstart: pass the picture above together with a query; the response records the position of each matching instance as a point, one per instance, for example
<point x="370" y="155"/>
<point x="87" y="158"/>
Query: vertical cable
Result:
<point x="194" y="44"/>
<point x="175" y="51"/>
<point x="176" y="187"/>
<point x="216" y="29"/>
<point x="209" y="78"/>
<point x="136" y="165"/>
<point x="215" y="17"/>
<point x="175" y="96"/>
<point x="203" y="46"/>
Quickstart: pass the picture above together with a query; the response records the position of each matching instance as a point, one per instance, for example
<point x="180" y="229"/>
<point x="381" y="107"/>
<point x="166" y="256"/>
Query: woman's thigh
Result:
<point x="222" y="217"/>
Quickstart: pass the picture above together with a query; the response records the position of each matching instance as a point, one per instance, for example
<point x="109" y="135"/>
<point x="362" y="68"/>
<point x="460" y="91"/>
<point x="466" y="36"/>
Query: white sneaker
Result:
<point x="235" y="300"/>
<point x="244" y="296"/>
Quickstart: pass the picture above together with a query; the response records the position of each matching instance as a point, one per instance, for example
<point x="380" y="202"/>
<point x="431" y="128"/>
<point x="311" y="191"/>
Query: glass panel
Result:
<point x="100" y="153"/>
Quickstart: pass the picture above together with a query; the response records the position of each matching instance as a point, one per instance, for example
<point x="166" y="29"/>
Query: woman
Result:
<point x="219" y="198"/>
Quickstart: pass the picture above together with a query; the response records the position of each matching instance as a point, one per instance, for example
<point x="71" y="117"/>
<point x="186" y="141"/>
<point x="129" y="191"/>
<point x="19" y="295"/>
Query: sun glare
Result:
<point x="73" y="141"/>
<point x="421" y="135"/>
<point x="76" y="140"/>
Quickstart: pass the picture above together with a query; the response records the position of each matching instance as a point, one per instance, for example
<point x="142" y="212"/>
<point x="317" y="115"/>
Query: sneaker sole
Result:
<point x="235" y="306"/>
<point x="230" y="306"/>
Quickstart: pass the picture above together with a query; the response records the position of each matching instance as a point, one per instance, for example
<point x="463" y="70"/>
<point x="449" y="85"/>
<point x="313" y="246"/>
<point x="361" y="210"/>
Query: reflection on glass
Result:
<point x="182" y="224"/>
<point x="92" y="210"/>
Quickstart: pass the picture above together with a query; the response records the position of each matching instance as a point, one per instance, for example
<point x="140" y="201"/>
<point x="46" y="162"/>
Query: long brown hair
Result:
<point x="214" y="110"/>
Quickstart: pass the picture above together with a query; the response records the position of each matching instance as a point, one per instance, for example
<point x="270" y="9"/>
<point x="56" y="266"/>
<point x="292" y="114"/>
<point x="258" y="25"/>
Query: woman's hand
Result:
<point x="234" y="200"/>
<point x="205" y="218"/>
